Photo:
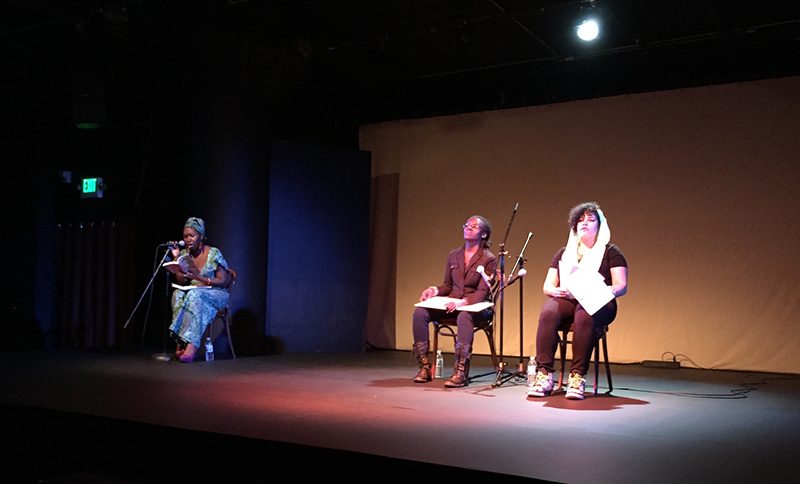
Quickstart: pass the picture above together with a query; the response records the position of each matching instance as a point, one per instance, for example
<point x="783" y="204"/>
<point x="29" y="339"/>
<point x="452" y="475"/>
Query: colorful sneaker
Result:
<point x="575" y="386"/>
<point x="542" y="385"/>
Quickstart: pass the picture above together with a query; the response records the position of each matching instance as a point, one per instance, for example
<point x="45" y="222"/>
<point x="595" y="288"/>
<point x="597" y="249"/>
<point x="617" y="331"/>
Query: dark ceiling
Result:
<point x="393" y="59"/>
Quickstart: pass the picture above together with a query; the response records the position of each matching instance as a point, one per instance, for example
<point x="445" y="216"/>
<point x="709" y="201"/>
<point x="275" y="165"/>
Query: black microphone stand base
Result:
<point x="161" y="356"/>
<point x="502" y="376"/>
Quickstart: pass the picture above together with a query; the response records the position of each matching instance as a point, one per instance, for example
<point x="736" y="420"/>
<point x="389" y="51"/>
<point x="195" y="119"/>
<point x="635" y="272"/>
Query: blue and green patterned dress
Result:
<point x="194" y="310"/>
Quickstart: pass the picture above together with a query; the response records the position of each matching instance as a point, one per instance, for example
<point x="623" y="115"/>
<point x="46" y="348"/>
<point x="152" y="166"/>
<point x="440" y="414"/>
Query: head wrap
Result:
<point x="198" y="224"/>
<point x="594" y="257"/>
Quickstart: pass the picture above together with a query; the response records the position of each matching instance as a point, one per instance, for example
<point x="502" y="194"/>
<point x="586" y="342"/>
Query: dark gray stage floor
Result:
<point x="342" y="414"/>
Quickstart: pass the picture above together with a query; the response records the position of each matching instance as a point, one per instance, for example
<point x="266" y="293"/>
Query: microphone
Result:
<point x="482" y="271"/>
<point x="173" y="243"/>
<point x="520" y="273"/>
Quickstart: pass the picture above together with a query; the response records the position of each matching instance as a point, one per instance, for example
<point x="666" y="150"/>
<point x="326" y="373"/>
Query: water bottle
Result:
<point x="531" y="371"/>
<point x="439" y="364"/>
<point x="209" y="350"/>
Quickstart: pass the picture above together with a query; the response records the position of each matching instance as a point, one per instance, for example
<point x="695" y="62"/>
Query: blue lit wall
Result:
<point x="317" y="277"/>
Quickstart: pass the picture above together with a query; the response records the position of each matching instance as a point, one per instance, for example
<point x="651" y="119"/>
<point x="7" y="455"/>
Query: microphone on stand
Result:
<point x="173" y="243"/>
<point x="482" y="271"/>
<point x="520" y="274"/>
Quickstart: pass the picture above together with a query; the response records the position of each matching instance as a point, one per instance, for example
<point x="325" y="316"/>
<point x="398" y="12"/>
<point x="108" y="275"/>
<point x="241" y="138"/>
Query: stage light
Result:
<point x="588" y="30"/>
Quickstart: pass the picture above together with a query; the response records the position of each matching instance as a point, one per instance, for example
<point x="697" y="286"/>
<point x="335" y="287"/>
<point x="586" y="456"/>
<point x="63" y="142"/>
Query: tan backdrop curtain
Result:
<point x="699" y="186"/>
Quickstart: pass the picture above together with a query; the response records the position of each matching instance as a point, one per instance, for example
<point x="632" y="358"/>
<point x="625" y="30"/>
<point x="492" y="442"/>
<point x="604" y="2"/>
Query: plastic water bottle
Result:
<point x="439" y="364"/>
<point x="531" y="371"/>
<point x="209" y="350"/>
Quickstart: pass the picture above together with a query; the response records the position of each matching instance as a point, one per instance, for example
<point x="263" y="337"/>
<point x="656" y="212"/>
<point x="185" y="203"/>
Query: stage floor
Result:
<point x="340" y="412"/>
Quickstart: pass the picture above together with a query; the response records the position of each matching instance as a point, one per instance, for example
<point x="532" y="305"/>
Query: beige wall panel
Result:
<point x="699" y="187"/>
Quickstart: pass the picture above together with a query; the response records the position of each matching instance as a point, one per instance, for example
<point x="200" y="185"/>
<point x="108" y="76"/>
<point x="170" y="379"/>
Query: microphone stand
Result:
<point x="498" y="296"/>
<point x="163" y="356"/>
<point x="521" y="372"/>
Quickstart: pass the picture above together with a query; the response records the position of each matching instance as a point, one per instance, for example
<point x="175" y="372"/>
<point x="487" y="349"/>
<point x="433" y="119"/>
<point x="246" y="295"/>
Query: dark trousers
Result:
<point x="466" y="322"/>
<point x="558" y="313"/>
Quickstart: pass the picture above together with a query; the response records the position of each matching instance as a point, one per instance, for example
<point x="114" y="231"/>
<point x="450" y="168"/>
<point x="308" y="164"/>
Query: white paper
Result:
<point x="190" y="287"/>
<point x="590" y="289"/>
<point x="565" y="269"/>
<point x="440" y="302"/>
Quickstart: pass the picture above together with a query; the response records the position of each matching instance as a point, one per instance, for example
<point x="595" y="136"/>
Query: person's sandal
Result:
<point x="188" y="354"/>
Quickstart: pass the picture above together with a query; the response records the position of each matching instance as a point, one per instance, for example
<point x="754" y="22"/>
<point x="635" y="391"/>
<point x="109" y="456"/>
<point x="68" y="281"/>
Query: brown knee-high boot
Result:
<point x="460" y="376"/>
<point x="421" y="352"/>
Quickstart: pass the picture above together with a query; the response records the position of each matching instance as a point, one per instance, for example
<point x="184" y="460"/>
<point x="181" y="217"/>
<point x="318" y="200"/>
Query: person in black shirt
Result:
<point x="589" y="251"/>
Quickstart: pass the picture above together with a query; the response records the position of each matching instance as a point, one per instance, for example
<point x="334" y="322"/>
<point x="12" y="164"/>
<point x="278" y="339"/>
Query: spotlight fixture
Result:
<point x="589" y="28"/>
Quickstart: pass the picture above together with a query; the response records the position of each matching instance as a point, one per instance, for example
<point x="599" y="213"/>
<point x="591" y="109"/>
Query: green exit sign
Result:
<point x="89" y="185"/>
<point x="92" y="188"/>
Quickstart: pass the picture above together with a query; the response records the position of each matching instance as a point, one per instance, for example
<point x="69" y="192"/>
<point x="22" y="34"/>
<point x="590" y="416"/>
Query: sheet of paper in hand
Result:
<point x="440" y="302"/>
<point x="188" y="288"/>
<point x="590" y="289"/>
<point x="565" y="269"/>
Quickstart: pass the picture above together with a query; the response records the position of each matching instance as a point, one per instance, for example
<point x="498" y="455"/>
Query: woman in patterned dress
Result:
<point x="207" y="274"/>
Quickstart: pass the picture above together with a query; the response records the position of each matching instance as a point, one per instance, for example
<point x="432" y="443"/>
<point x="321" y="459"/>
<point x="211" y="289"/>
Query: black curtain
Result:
<point x="93" y="267"/>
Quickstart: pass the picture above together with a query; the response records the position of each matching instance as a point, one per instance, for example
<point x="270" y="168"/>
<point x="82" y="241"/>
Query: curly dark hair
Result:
<point x="577" y="212"/>
<point x="486" y="229"/>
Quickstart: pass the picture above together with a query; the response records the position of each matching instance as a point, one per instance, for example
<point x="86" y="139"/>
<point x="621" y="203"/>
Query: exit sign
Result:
<point x="92" y="188"/>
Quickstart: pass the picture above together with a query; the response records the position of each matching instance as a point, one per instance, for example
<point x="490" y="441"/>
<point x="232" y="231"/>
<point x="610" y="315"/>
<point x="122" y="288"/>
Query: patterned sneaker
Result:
<point x="575" y="386"/>
<point x="542" y="385"/>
